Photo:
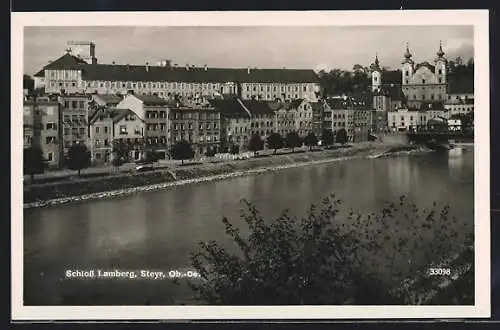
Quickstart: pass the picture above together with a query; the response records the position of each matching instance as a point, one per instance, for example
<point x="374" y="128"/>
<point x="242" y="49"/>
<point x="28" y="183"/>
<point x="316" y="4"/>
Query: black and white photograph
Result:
<point x="226" y="161"/>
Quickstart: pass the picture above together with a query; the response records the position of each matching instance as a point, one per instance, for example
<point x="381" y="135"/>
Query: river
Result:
<point x="157" y="230"/>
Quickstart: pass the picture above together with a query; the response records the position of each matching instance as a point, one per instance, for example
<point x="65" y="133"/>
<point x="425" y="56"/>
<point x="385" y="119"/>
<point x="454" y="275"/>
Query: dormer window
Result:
<point x="423" y="81"/>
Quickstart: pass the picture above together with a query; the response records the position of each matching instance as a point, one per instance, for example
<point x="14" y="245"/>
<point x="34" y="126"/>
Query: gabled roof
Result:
<point x="152" y="99"/>
<point x="258" y="107"/>
<point x="109" y="99"/>
<point x="461" y="84"/>
<point x="112" y="72"/>
<point x="316" y="106"/>
<point x="115" y="114"/>
<point x="118" y="114"/>
<point x="67" y="61"/>
<point x="229" y="108"/>
<point x="294" y="104"/>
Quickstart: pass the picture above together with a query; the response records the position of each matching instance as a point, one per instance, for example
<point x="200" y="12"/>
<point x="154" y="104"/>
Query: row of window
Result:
<point x="201" y="116"/>
<point x="74" y="131"/>
<point x="74" y="104"/>
<point x="268" y="88"/>
<point x="201" y="126"/>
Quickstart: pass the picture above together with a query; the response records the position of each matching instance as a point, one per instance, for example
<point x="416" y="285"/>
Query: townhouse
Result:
<point x="154" y="112"/>
<point x="116" y="127"/>
<point x="75" y="119"/>
<point x="42" y="127"/>
<point x="199" y="124"/>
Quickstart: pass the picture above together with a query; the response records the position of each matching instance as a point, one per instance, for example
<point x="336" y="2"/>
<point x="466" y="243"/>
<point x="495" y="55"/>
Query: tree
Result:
<point x="275" y="141"/>
<point x="121" y="149"/>
<point x="318" y="260"/>
<point x="78" y="157"/>
<point x="293" y="140"/>
<point x="342" y="136"/>
<point x="28" y="83"/>
<point x="210" y="151"/>
<point x="150" y="156"/>
<point x="235" y="149"/>
<point x="327" y="137"/>
<point x="117" y="161"/>
<point x="182" y="150"/>
<point x="311" y="140"/>
<point x="256" y="143"/>
<point x="33" y="161"/>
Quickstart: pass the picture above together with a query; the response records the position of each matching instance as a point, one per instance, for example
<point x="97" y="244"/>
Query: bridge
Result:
<point x="425" y="137"/>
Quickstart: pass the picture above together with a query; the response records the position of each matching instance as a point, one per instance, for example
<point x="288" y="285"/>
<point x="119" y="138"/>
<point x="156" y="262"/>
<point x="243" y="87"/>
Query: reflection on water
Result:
<point x="160" y="229"/>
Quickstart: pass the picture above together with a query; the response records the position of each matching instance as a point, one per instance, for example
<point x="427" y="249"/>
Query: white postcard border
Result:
<point x="478" y="18"/>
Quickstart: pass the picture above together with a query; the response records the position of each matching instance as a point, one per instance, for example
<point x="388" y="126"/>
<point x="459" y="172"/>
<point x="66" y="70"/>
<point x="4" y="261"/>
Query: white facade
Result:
<point x="405" y="120"/>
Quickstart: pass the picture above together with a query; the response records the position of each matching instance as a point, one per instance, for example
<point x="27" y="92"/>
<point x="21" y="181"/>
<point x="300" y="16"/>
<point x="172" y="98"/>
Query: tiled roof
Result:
<point x="258" y="107"/>
<point x="67" y="61"/>
<point x="316" y="106"/>
<point x="348" y="103"/>
<point x="461" y="84"/>
<point x="118" y="114"/>
<point x="152" y="100"/>
<point x="115" y="114"/>
<point x="229" y="108"/>
<point x="111" y="72"/>
<point x="294" y="104"/>
<point x="109" y="98"/>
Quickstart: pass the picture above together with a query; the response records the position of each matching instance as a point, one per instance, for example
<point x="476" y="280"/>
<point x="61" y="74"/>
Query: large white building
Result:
<point x="81" y="73"/>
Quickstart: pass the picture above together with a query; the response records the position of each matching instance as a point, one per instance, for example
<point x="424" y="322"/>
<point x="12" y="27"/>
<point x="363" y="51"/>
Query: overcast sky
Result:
<point x="264" y="47"/>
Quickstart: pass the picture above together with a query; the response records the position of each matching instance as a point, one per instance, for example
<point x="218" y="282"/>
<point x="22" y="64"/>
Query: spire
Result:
<point x="440" y="52"/>
<point x="407" y="56"/>
<point x="376" y="64"/>
<point x="407" y="53"/>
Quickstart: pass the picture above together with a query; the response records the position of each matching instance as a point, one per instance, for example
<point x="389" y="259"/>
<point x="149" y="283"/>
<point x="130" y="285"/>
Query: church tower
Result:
<point x="376" y="75"/>
<point x="440" y="65"/>
<point x="407" y="67"/>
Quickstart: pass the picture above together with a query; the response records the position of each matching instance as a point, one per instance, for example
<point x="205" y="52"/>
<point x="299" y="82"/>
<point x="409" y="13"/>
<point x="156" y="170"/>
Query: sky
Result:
<point x="301" y="47"/>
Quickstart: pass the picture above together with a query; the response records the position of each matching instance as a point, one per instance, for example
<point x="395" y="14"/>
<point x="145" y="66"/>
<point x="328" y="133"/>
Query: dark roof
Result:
<point x="316" y="106"/>
<point x="229" y="108"/>
<point x="118" y="114"/>
<point x="294" y="104"/>
<point x="347" y="103"/>
<point x="67" y="61"/>
<point x="152" y="100"/>
<point x="114" y="72"/>
<point x="461" y="84"/>
<point x="258" y="107"/>
<point x="109" y="98"/>
<point x="392" y="77"/>
<point x="115" y="114"/>
<point x="427" y="65"/>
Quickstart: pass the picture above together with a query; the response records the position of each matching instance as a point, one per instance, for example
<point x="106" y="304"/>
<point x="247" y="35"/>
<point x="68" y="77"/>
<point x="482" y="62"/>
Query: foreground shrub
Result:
<point x="324" y="257"/>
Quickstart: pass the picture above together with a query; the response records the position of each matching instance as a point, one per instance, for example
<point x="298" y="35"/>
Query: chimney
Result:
<point x="248" y="70"/>
<point x="205" y="67"/>
<point x="128" y="67"/>
<point x="187" y="67"/>
<point x="147" y="67"/>
<point x="168" y="63"/>
<point x="113" y="62"/>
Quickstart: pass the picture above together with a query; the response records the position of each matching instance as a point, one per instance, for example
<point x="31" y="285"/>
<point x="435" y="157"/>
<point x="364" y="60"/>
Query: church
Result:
<point x="421" y="86"/>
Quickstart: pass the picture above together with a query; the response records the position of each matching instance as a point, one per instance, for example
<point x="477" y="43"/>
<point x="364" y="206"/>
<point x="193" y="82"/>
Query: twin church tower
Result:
<point x="421" y="83"/>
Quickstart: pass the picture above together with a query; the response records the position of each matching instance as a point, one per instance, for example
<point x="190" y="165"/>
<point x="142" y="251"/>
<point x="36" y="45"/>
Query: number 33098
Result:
<point x="439" y="271"/>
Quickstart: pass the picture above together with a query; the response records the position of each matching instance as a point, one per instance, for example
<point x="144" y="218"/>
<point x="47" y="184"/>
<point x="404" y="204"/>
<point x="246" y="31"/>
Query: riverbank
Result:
<point x="56" y="193"/>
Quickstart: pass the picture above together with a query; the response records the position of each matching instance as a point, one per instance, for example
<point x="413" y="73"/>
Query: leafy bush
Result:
<point x="323" y="258"/>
